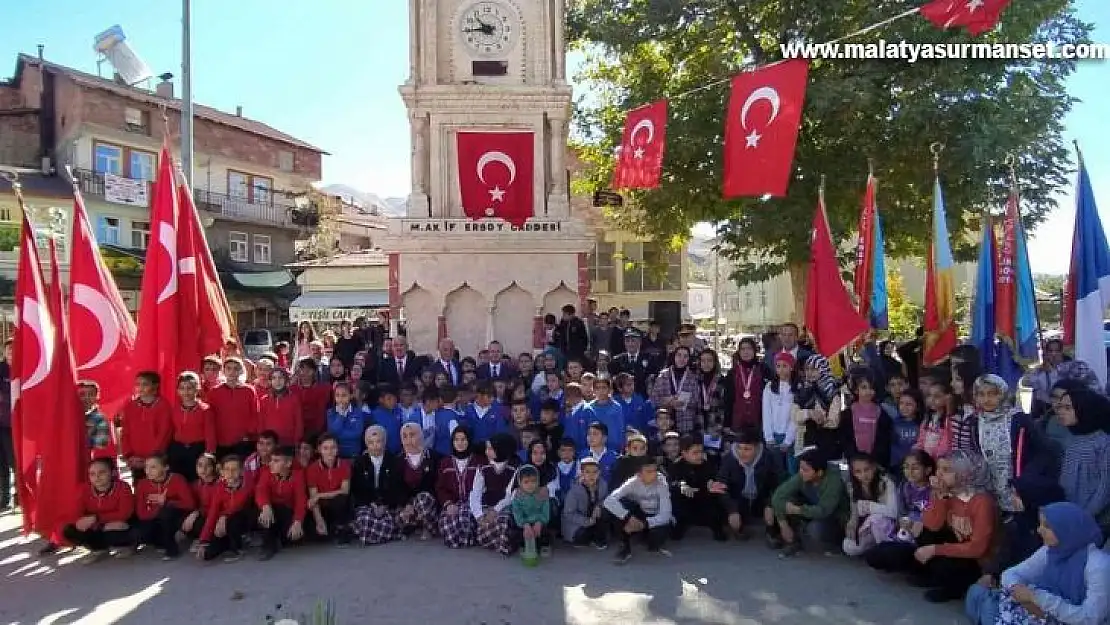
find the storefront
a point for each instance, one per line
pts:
(327, 308)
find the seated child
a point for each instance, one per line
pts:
(490, 497)
(748, 477)
(282, 502)
(531, 512)
(874, 506)
(162, 501)
(914, 492)
(582, 522)
(625, 468)
(228, 517)
(204, 490)
(596, 437)
(413, 490)
(642, 506)
(812, 501)
(691, 499)
(263, 450)
(670, 450)
(329, 486)
(373, 474)
(453, 485)
(104, 512)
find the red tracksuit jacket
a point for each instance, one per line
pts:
(115, 506)
(314, 405)
(147, 428)
(226, 501)
(174, 487)
(282, 414)
(195, 425)
(236, 411)
(204, 493)
(290, 492)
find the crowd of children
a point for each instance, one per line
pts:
(944, 482)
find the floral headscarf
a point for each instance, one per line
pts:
(971, 473)
(824, 390)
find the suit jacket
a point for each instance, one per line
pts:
(506, 372)
(387, 370)
(641, 367)
(437, 366)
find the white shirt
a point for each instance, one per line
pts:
(449, 367)
(377, 462)
(494, 370)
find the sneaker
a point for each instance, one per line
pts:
(775, 543)
(123, 553)
(600, 545)
(790, 550)
(48, 549)
(623, 556)
(664, 553)
(233, 556)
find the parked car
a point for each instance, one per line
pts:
(257, 342)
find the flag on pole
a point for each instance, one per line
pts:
(831, 318)
(1015, 309)
(940, 290)
(159, 297)
(103, 346)
(977, 16)
(983, 326)
(880, 319)
(870, 277)
(1088, 288)
(643, 142)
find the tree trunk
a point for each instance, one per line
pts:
(799, 275)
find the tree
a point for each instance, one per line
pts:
(904, 316)
(1050, 290)
(884, 110)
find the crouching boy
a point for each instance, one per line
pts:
(106, 505)
(642, 506)
(582, 510)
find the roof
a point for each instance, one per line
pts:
(38, 184)
(199, 110)
(371, 258)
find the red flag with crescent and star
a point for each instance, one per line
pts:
(496, 175)
(761, 130)
(205, 320)
(105, 335)
(159, 296)
(33, 348)
(640, 159)
(977, 16)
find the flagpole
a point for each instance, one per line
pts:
(186, 93)
(1011, 162)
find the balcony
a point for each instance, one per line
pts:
(278, 211)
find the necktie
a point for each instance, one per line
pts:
(495, 370)
(400, 368)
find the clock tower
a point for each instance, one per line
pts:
(492, 69)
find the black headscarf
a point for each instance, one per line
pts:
(504, 447)
(1092, 412)
(466, 452)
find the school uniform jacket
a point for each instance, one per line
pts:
(364, 491)
(204, 493)
(289, 491)
(880, 449)
(226, 502)
(314, 405)
(147, 428)
(236, 410)
(576, 508)
(174, 487)
(327, 479)
(411, 481)
(454, 486)
(116, 505)
(283, 414)
(195, 425)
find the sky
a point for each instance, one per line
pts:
(328, 71)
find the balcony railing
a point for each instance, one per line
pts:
(277, 210)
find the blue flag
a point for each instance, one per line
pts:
(982, 309)
(879, 318)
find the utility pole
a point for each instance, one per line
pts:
(186, 93)
(717, 300)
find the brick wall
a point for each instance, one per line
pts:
(19, 139)
(10, 97)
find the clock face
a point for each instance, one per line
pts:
(489, 28)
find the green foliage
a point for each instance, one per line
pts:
(1049, 289)
(884, 110)
(9, 238)
(904, 316)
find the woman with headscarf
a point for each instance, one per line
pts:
(372, 475)
(456, 476)
(415, 485)
(1067, 581)
(490, 497)
(813, 412)
(711, 391)
(743, 388)
(1085, 473)
(676, 389)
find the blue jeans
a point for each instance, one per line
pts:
(981, 605)
(789, 460)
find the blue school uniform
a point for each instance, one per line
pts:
(537, 400)
(485, 426)
(347, 429)
(391, 420)
(637, 412)
(612, 415)
(568, 476)
(447, 419)
(575, 422)
(605, 461)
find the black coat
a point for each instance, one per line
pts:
(363, 491)
(387, 370)
(572, 338)
(640, 367)
(883, 434)
(400, 489)
(504, 372)
(768, 476)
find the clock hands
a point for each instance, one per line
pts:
(485, 28)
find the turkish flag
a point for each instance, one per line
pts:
(865, 251)
(159, 299)
(32, 357)
(831, 318)
(63, 448)
(205, 321)
(640, 159)
(977, 16)
(495, 175)
(761, 130)
(105, 334)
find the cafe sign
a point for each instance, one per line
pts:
(455, 227)
(330, 315)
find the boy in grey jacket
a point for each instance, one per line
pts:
(642, 505)
(583, 522)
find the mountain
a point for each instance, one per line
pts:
(389, 207)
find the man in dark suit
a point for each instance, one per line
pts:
(496, 368)
(570, 336)
(447, 362)
(635, 362)
(401, 366)
(788, 342)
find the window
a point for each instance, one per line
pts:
(107, 230)
(140, 234)
(136, 120)
(285, 160)
(262, 249)
(602, 265)
(5, 213)
(747, 300)
(254, 189)
(108, 159)
(142, 165)
(238, 247)
(651, 267)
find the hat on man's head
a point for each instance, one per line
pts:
(632, 333)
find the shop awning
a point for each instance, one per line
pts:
(335, 306)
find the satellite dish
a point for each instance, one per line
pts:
(112, 44)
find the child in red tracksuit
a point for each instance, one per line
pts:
(282, 500)
(162, 501)
(280, 410)
(194, 428)
(106, 508)
(235, 405)
(147, 424)
(204, 491)
(228, 517)
(315, 397)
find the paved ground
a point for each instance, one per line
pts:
(416, 583)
